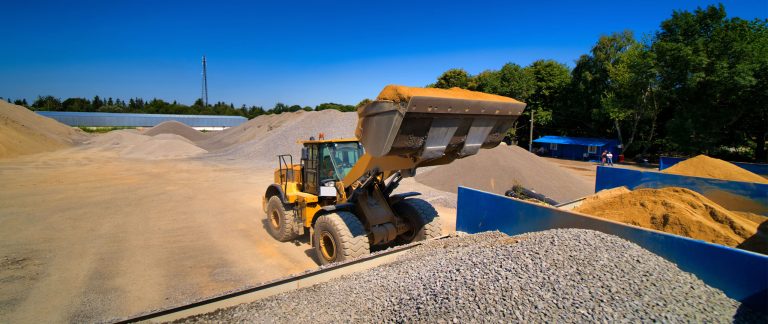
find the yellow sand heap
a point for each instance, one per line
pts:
(22, 132)
(399, 93)
(707, 167)
(679, 211)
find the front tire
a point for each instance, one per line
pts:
(422, 217)
(281, 224)
(339, 237)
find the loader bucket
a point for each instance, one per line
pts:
(434, 130)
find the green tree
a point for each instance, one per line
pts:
(362, 103)
(331, 105)
(713, 72)
(512, 81)
(47, 103)
(612, 83)
(515, 82)
(453, 78)
(549, 79)
(20, 102)
(488, 81)
(96, 104)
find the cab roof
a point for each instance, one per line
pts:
(335, 140)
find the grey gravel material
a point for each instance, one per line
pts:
(558, 275)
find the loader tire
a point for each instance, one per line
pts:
(281, 223)
(339, 237)
(422, 217)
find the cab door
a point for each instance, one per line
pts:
(310, 170)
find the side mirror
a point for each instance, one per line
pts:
(304, 153)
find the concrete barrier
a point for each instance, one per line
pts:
(733, 195)
(741, 275)
(756, 168)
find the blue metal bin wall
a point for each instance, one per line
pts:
(741, 275)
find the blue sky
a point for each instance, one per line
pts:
(292, 51)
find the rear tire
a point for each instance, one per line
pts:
(339, 237)
(422, 217)
(281, 224)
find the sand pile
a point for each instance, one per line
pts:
(166, 146)
(176, 128)
(678, 211)
(132, 145)
(25, 132)
(402, 93)
(497, 170)
(707, 167)
(116, 139)
(253, 129)
(262, 139)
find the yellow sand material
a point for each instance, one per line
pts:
(24, 132)
(678, 211)
(707, 167)
(399, 93)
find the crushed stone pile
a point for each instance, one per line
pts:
(263, 139)
(566, 275)
(176, 128)
(251, 130)
(679, 211)
(497, 170)
(707, 167)
(398, 93)
(22, 132)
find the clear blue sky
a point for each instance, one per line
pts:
(296, 52)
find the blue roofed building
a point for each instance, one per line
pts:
(576, 148)
(99, 119)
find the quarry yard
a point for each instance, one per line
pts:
(122, 223)
(98, 227)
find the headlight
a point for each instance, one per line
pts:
(329, 184)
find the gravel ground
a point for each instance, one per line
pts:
(558, 275)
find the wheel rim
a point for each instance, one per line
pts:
(411, 233)
(274, 219)
(327, 246)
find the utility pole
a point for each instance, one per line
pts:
(205, 84)
(530, 140)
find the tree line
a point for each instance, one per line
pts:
(159, 106)
(697, 85)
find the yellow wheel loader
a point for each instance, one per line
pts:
(341, 191)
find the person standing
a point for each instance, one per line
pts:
(603, 157)
(610, 158)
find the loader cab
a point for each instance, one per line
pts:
(327, 161)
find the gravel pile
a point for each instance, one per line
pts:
(553, 276)
(253, 129)
(176, 128)
(267, 138)
(497, 170)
